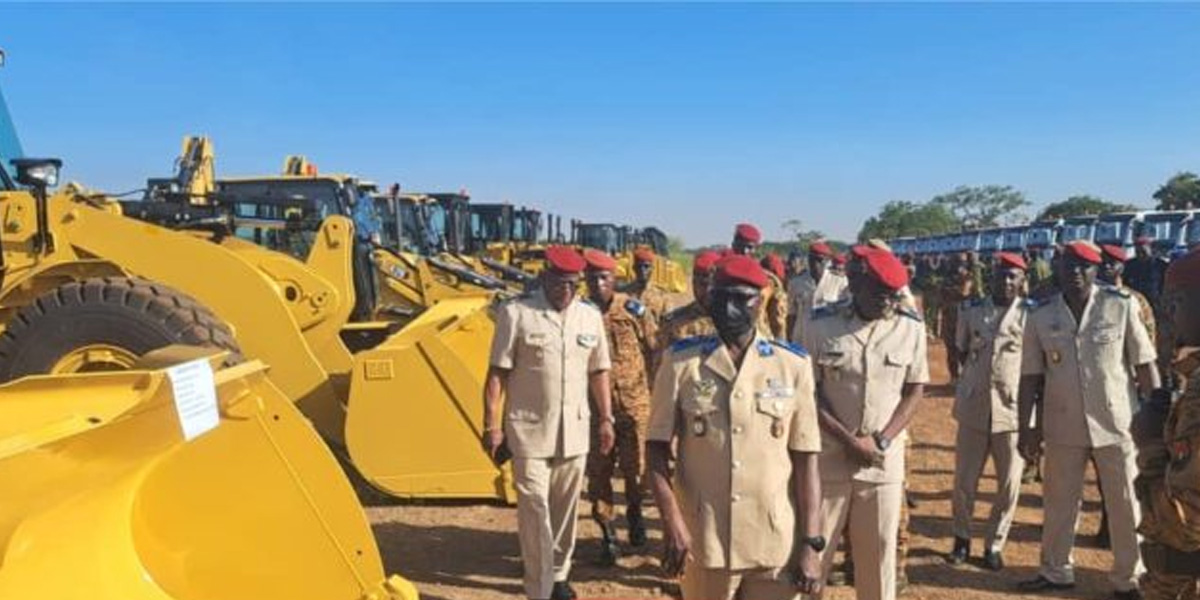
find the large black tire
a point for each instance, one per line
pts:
(133, 314)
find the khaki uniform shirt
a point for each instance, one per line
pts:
(989, 338)
(1089, 394)
(804, 295)
(861, 370)
(734, 429)
(549, 355)
(631, 335)
(682, 323)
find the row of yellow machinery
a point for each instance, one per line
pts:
(315, 306)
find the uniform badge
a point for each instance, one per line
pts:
(777, 428)
(1055, 356)
(588, 340)
(706, 389)
(699, 425)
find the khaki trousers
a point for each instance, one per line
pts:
(971, 452)
(547, 509)
(744, 584)
(1063, 484)
(873, 511)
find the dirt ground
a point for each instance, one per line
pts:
(470, 552)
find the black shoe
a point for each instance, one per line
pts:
(608, 546)
(911, 501)
(960, 553)
(1041, 584)
(562, 591)
(993, 561)
(1134, 594)
(637, 527)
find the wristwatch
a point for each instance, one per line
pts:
(816, 542)
(881, 442)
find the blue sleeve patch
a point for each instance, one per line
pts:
(765, 348)
(635, 308)
(706, 343)
(792, 347)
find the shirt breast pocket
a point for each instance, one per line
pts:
(833, 362)
(697, 407)
(538, 348)
(776, 407)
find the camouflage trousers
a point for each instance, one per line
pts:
(1160, 586)
(628, 455)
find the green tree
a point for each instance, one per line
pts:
(901, 218)
(1181, 191)
(1081, 205)
(802, 236)
(984, 206)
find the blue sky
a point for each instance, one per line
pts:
(690, 117)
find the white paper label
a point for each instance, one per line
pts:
(195, 397)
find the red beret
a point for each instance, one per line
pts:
(564, 259)
(861, 250)
(774, 264)
(599, 261)
(705, 261)
(1009, 260)
(886, 268)
(748, 232)
(740, 270)
(839, 259)
(820, 249)
(1083, 250)
(1184, 272)
(1116, 253)
(643, 254)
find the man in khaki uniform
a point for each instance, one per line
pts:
(692, 319)
(813, 288)
(642, 289)
(739, 408)
(548, 353)
(631, 332)
(870, 358)
(990, 332)
(1079, 349)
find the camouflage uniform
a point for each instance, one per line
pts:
(631, 333)
(653, 298)
(1145, 312)
(684, 322)
(1168, 488)
(772, 319)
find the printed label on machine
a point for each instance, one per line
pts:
(195, 397)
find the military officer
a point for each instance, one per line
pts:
(691, 319)
(990, 332)
(740, 514)
(816, 287)
(548, 353)
(631, 333)
(642, 289)
(1112, 272)
(1168, 439)
(746, 239)
(773, 322)
(1079, 348)
(870, 363)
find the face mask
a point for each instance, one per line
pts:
(732, 313)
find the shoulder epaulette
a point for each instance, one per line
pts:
(1031, 303)
(635, 307)
(828, 310)
(792, 347)
(706, 343)
(588, 303)
(905, 311)
(1112, 289)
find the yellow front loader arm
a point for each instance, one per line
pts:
(103, 499)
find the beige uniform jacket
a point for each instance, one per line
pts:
(989, 338)
(549, 355)
(1089, 395)
(861, 369)
(804, 295)
(734, 429)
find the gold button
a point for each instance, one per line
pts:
(737, 428)
(736, 497)
(737, 395)
(737, 464)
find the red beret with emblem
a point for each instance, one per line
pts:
(886, 268)
(643, 254)
(1010, 260)
(564, 259)
(705, 261)
(748, 232)
(774, 264)
(820, 249)
(738, 269)
(598, 260)
(1116, 253)
(1085, 251)
(1184, 272)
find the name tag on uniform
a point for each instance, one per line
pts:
(775, 389)
(588, 340)
(535, 339)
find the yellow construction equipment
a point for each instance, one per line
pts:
(621, 242)
(106, 498)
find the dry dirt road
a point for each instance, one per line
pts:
(470, 552)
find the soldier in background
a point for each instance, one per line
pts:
(641, 288)
(1145, 272)
(691, 319)
(962, 281)
(990, 332)
(816, 287)
(1168, 439)
(631, 332)
(1112, 273)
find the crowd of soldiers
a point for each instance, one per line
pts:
(768, 416)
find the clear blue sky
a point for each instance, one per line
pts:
(692, 117)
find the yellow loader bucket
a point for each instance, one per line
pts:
(415, 413)
(102, 498)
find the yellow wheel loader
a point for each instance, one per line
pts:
(176, 479)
